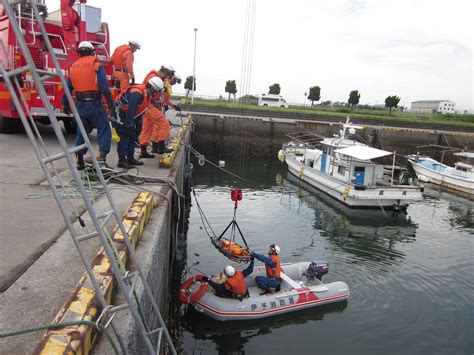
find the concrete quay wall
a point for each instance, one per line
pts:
(261, 137)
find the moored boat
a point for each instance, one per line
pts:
(307, 291)
(460, 177)
(344, 169)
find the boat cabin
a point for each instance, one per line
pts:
(352, 164)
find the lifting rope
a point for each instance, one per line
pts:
(227, 246)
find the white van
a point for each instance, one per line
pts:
(271, 100)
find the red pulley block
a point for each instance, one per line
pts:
(236, 196)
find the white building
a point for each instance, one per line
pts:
(431, 106)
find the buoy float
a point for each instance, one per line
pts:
(185, 296)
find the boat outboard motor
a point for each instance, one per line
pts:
(317, 269)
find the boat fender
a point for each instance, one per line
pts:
(185, 296)
(301, 171)
(345, 194)
(281, 156)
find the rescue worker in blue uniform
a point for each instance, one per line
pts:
(87, 78)
(273, 270)
(133, 104)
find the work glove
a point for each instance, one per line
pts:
(133, 81)
(66, 109)
(177, 108)
(205, 279)
(165, 108)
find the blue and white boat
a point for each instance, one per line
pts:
(344, 169)
(459, 178)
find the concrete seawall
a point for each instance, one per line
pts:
(260, 137)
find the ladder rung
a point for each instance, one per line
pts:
(45, 72)
(106, 217)
(46, 75)
(62, 155)
(118, 308)
(18, 71)
(151, 332)
(87, 236)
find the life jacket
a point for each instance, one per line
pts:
(274, 273)
(122, 100)
(117, 57)
(152, 74)
(83, 74)
(237, 284)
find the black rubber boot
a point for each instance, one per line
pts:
(278, 288)
(162, 149)
(80, 162)
(154, 147)
(265, 292)
(144, 153)
(132, 161)
(102, 157)
(123, 163)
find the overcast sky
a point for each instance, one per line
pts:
(416, 49)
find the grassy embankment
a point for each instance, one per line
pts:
(463, 120)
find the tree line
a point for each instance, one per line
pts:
(314, 94)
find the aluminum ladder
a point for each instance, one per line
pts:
(127, 282)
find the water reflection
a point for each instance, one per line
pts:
(368, 234)
(230, 337)
(460, 205)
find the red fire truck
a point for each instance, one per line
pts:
(66, 28)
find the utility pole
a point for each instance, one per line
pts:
(194, 65)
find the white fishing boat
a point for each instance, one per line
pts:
(344, 169)
(460, 177)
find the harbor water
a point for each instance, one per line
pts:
(410, 275)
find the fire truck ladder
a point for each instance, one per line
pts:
(127, 281)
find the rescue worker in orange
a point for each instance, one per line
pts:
(122, 59)
(153, 119)
(272, 268)
(234, 285)
(133, 103)
(70, 20)
(162, 127)
(88, 80)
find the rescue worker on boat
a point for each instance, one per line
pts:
(133, 103)
(122, 59)
(234, 285)
(87, 78)
(273, 270)
(154, 123)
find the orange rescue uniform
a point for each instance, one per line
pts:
(274, 273)
(237, 284)
(155, 126)
(122, 60)
(83, 74)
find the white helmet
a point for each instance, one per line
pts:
(85, 45)
(229, 271)
(275, 248)
(134, 43)
(155, 84)
(169, 68)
